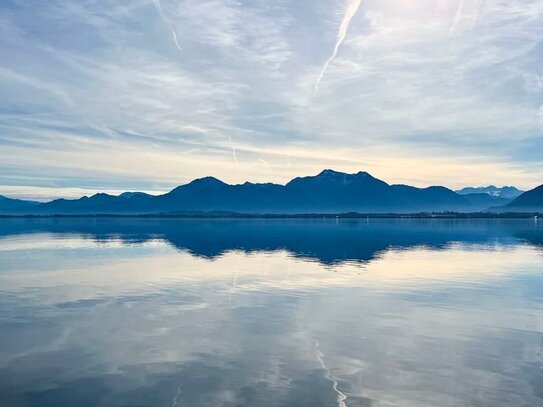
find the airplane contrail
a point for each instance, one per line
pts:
(478, 12)
(234, 154)
(160, 11)
(350, 11)
(457, 23)
(457, 17)
(162, 15)
(174, 34)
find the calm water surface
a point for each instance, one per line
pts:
(271, 313)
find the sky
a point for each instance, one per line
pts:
(103, 95)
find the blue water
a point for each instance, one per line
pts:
(162, 312)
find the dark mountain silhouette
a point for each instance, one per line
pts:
(8, 205)
(507, 192)
(328, 192)
(530, 201)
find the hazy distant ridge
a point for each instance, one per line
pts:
(508, 192)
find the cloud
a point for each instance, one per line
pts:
(97, 91)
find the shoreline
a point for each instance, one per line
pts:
(350, 215)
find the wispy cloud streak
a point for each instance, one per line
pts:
(459, 24)
(479, 10)
(234, 154)
(350, 12)
(458, 16)
(167, 21)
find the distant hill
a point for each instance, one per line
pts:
(8, 205)
(328, 192)
(95, 204)
(500, 192)
(483, 200)
(530, 201)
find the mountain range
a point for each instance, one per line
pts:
(508, 192)
(328, 192)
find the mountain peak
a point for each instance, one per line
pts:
(199, 184)
(207, 181)
(100, 196)
(334, 179)
(332, 173)
(130, 194)
(329, 172)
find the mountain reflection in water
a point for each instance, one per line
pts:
(162, 312)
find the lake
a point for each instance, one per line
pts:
(166, 312)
